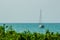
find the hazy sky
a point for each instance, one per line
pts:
(29, 11)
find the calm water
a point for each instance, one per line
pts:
(34, 27)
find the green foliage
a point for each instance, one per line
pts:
(26, 35)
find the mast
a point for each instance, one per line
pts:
(40, 18)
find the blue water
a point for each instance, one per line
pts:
(34, 27)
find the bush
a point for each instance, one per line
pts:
(13, 35)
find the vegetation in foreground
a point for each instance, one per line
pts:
(11, 34)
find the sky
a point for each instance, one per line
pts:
(28, 11)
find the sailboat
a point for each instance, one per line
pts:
(41, 26)
(40, 23)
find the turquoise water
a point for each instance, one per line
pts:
(34, 27)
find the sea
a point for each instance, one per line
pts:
(34, 27)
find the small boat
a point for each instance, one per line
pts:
(41, 25)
